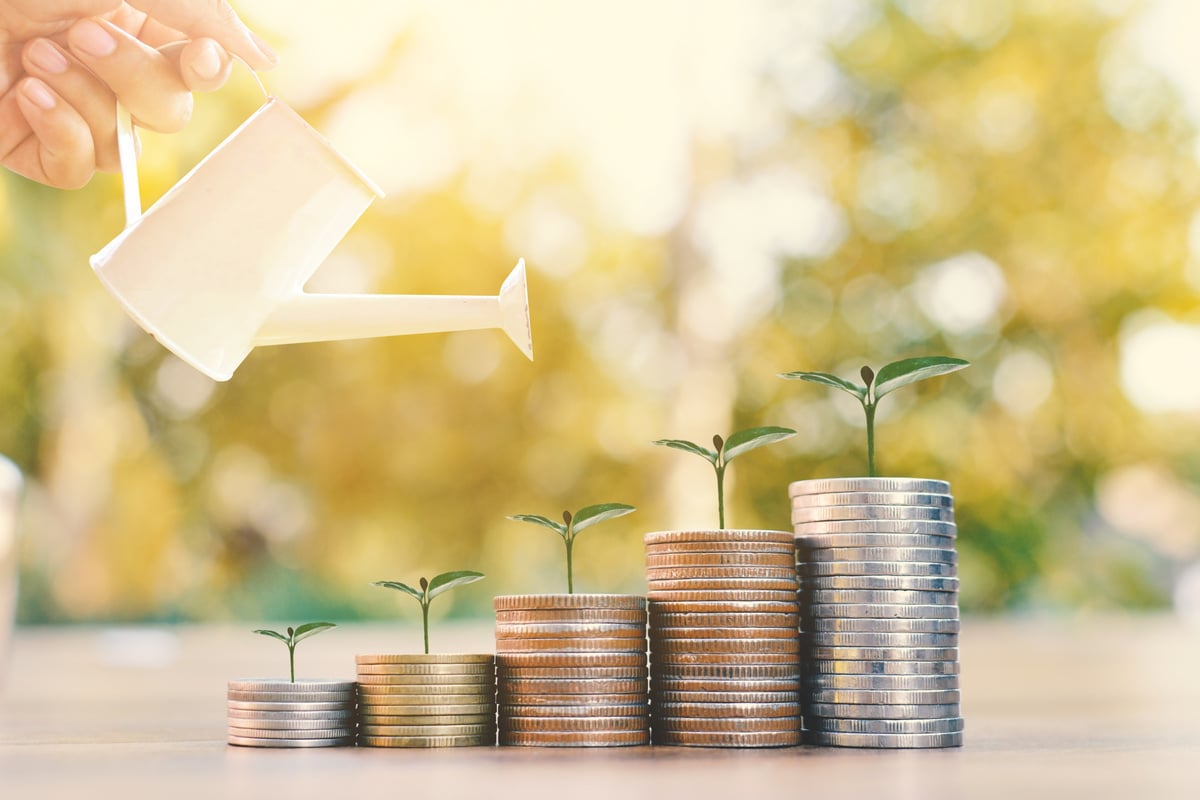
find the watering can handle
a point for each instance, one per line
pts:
(127, 145)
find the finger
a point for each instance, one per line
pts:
(57, 10)
(59, 150)
(204, 65)
(213, 19)
(80, 89)
(145, 81)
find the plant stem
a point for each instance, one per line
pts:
(570, 540)
(721, 496)
(425, 624)
(292, 661)
(870, 409)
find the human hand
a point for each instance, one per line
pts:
(65, 63)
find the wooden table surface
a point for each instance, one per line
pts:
(1090, 707)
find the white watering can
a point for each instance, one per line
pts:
(218, 265)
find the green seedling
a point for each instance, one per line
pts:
(431, 589)
(876, 385)
(294, 637)
(573, 524)
(728, 449)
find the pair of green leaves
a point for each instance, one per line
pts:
(876, 385)
(294, 636)
(573, 524)
(431, 588)
(725, 450)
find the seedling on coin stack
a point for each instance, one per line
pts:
(878, 572)
(724, 651)
(277, 713)
(571, 668)
(426, 700)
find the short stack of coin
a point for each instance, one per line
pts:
(724, 650)
(426, 700)
(571, 670)
(279, 713)
(878, 575)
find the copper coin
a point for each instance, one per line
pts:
(817, 667)
(657, 587)
(725, 710)
(584, 674)
(570, 739)
(667, 606)
(712, 560)
(573, 724)
(730, 672)
(790, 644)
(531, 602)
(723, 685)
(728, 597)
(571, 687)
(480, 660)
(720, 632)
(506, 647)
(667, 696)
(593, 710)
(728, 724)
(508, 630)
(578, 660)
(667, 575)
(551, 616)
(661, 621)
(667, 660)
(684, 548)
(519, 699)
(788, 738)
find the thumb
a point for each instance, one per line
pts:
(214, 19)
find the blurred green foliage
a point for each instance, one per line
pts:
(1006, 148)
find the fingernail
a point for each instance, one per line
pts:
(39, 94)
(264, 48)
(92, 39)
(208, 62)
(48, 58)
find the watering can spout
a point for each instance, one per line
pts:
(326, 317)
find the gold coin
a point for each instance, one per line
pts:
(696, 739)
(439, 709)
(656, 575)
(379, 683)
(427, 730)
(425, 699)
(711, 548)
(728, 597)
(435, 689)
(571, 616)
(785, 560)
(673, 537)
(790, 606)
(508, 630)
(571, 739)
(483, 740)
(579, 660)
(532, 602)
(371, 718)
(402, 680)
(424, 669)
(477, 659)
(784, 584)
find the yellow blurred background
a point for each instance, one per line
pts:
(707, 194)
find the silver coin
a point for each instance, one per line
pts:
(784, 580)
(901, 583)
(801, 513)
(308, 733)
(301, 686)
(881, 527)
(729, 598)
(248, 723)
(671, 632)
(885, 696)
(889, 682)
(292, 697)
(726, 724)
(830, 725)
(819, 667)
(725, 672)
(658, 608)
(915, 555)
(874, 499)
(573, 724)
(811, 569)
(830, 485)
(884, 740)
(739, 621)
(824, 541)
(883, 711)
(251, 741)
(335, 716)
(712, 711)
(881, 596)
(248, 705)
(883, 653)
(735, 686)
(883, 611)
(872, 625)
(865, 639)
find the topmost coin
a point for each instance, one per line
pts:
(301, 686)
(526, 602)
(873, 499)
(426, 658)
(822, 485)
(668, 537)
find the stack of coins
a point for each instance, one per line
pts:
(571, 670)
(278, 713)
(426, 700)
(879, 611)
(724, 650)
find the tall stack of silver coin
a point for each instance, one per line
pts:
(724, 654)
(571, 670)
(279, 713)
(424, 700)
(878, 569)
